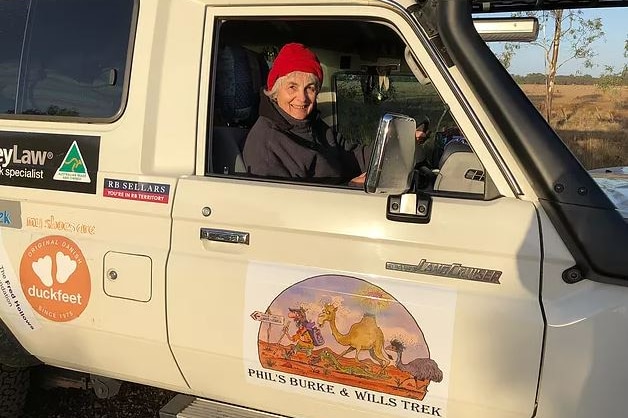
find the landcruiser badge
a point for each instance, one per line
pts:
(55, 278)
(453, 270)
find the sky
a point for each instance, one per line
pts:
(610, 49)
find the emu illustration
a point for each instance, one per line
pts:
(419, 368)
(363, 335)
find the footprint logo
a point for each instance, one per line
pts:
(43, 268)
(55, 278)
(65, 267)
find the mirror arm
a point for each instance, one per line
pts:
(415, 207)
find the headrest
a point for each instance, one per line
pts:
(451, 148)
(239, 76)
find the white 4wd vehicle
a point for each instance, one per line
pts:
(483, 275)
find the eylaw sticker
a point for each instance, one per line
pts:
(49, 161)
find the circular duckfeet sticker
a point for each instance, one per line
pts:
(55, 278)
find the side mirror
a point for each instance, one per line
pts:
(392, 160)
(509, 29)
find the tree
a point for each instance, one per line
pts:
(625, 70)
(561, 31)
(612, 79)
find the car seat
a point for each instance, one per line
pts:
(240, 75)
(460, 170)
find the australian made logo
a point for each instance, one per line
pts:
(16, 162)
(73, 167)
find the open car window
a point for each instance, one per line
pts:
(444, 158)
(365, 76)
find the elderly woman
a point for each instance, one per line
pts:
(289, 139)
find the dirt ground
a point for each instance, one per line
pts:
(592, 121)
(133, 401)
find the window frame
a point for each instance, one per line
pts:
(125, 75)
(399, 21)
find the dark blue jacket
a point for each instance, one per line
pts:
(279, 146)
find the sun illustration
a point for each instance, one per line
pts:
(373, 299)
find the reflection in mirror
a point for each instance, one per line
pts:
(392, 161)
(357, 114)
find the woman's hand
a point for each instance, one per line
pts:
(358, 181)
(420, 136)
(421, 132)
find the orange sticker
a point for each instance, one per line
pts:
(55, 278)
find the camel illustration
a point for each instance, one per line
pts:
(363, 335)
(420, 368)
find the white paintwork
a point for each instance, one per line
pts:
(584, 372)
(347, 232)
(128, 276)
(114, 336)
(194, 303)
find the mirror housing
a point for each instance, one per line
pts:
(391, 165)
(509, 29)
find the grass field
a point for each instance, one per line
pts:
(593, 122)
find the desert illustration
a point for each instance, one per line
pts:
(349, 331)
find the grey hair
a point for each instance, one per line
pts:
(272, 93)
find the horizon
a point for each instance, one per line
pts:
(529, 59)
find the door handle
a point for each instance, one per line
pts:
(222, 235)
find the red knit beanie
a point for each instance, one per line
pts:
(294, 57)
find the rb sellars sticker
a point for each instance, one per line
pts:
(12, 301)
(136, 190)
(55, 278)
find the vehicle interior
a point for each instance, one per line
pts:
(368, 72)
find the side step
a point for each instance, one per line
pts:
(186, 406)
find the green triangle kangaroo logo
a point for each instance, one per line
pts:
(73, 167)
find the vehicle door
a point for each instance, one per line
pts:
(84, 238)
(298, 298)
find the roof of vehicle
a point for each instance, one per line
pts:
(480, 6)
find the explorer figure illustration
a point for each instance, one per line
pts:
(307, 335)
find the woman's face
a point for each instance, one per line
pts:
(297, 94)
